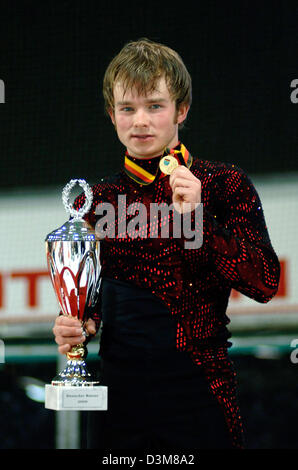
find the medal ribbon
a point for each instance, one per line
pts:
(136, 171)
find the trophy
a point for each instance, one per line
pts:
(74, 266)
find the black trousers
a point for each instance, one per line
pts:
(157, 397)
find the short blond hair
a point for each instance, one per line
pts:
(140, 64)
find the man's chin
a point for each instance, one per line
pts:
(144, 151)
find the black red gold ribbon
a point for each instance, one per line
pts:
(135, 168)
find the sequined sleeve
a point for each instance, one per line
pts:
(235, 236)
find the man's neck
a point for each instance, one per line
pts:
(172, 145)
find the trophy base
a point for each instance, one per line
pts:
(77, 398)
(74, 388)
(75, 374)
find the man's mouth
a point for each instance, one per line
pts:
(142, 136)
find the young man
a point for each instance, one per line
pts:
(164, 344)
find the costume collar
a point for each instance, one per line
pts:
(145, 171)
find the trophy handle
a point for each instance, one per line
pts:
(77, 214)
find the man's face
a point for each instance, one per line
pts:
(147, 124)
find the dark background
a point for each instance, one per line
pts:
(268, 390)
(242, 57)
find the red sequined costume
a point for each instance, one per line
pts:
(195, 283)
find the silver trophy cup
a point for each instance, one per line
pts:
(74, 264)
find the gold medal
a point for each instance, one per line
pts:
(168, 164)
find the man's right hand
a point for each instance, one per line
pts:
(68, 332)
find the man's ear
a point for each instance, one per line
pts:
(182, 112)
(112, 116)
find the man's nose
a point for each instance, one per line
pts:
(141, 118)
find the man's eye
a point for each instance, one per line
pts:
(126, 109)
(155, 106)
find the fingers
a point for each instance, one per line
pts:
(90, 326)
(67, 327)
(181, 194)
(186, 189)
(64, 349)
(73, 340)
(182, 172)
(67, 320)
(181, 183)
(185, 182)
(68, 332)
